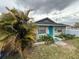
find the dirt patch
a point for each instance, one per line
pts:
(65, 45)
(70, 47)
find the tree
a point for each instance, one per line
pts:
(17, 32)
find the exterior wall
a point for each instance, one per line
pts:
(54, 30)
(58, 30)
(47, 31)
(42, 33)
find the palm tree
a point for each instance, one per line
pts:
(17, 32)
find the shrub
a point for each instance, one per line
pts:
(61, 36)
(66, 36)
(48, 39)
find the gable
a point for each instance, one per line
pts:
(45, 21)
(48, 22)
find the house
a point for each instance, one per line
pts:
(47, 26)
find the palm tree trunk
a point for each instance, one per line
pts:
(21, 54)
(18, 47)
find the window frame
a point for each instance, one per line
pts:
(42, 30)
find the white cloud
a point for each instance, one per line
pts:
(9, 3)
(38, 17)
(64, 15)
(72, 9)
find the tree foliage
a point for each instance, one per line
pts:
(16, 30)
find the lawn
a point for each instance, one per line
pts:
(74, 42)
(54, 52)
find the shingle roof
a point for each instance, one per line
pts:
(48, 22)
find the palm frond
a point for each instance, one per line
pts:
(27, 13)
(11, 12)
(15, 24)
(4, 37)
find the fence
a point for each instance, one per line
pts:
(72, 31)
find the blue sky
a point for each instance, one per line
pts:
(62, 10)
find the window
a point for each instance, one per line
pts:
(58, 30)
(41, 30)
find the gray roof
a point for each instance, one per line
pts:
(48, 22)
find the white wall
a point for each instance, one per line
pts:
(43, 33)
(72, 31)
(59, 28)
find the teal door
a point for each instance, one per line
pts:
(50, 29)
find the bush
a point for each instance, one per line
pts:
(66, 36)
(48, 39)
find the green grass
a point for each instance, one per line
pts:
(54, 52)
(75, 42)
(49, 52)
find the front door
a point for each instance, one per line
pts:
(50, 29)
